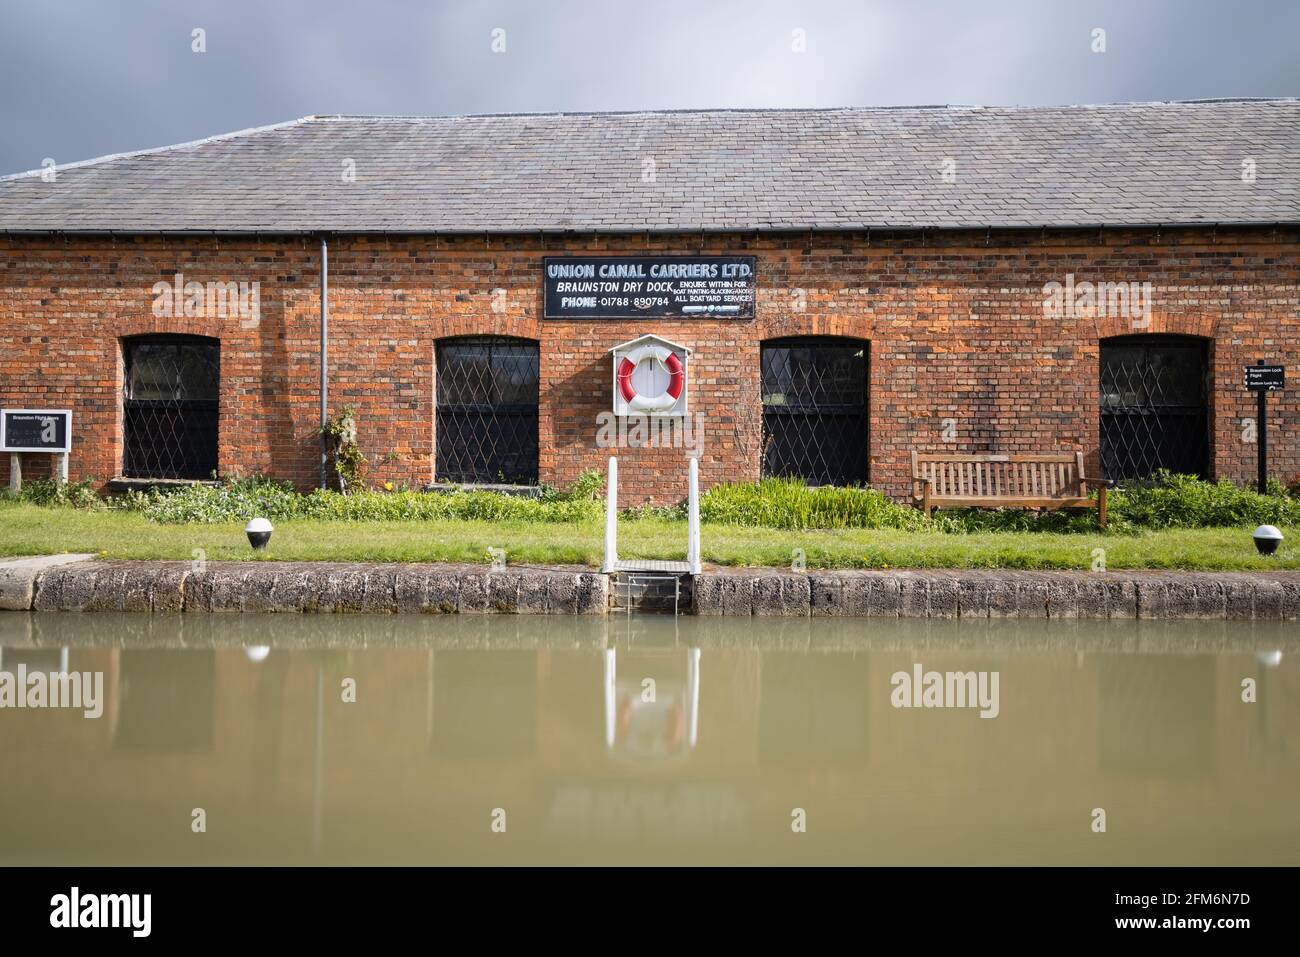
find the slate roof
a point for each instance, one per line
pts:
(710, 170)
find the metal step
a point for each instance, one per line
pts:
(651, 591)
(652, 565)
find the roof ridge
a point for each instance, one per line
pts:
(219, 137)
(901, 108)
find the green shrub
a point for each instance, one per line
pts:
(586, 487)
(60, 494)
(236, 500)
(974, 520)
(789, 503)
(1165, 501)
(242, 499)
(1183, 501)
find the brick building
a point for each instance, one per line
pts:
(960, 279)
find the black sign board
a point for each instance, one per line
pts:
(35, 430)
(1265, 378)
(632, 287)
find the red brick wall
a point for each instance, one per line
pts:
(955, 322)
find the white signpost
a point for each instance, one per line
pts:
(35, 430)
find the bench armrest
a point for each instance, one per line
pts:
(1103, 483)
(923, 481)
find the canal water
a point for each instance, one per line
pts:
(649, 740)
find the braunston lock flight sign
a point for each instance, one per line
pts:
(35, 430)
(631, 287)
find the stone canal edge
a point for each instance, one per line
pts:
(83, 583)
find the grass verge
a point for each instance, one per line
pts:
(31, 530)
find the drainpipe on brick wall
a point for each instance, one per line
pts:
(324, 351)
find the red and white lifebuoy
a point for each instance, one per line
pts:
(651, 403)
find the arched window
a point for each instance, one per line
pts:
(486, 413)
(170, 406)
(1154, 406)
(815, 410)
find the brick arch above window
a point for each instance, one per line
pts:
(208, 327)
(457, 326)
(1204, 326)
(794, 324)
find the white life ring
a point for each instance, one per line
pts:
(656, 403)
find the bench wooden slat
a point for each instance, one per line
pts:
(1027, 481)
(960, 501)
(935, 457)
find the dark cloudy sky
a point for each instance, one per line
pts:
(82, 78)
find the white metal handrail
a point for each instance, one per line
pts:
(611, 563)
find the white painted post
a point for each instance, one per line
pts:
(61, 472)
(693, 515)
(611, 517)
(15, 472)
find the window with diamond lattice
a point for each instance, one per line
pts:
(1154, 406)
(170, 407)
(815, 410)
(486, 419)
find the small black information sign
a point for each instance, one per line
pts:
(631, 287)
(35, 430)
(1265, 378)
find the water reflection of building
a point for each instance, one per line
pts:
(1157, 714)
(165, 700)
(437, 738)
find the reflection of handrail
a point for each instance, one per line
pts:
(693, 689)
(611, 704)
(692, 697)
(63, 658)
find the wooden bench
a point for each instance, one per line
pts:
(996, 481)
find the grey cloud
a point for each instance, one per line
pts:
(83, 79)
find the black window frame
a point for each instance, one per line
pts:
(178, 436)
(1143, 423)
(482, 436)
(796, 435)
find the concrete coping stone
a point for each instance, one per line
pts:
(82, 583)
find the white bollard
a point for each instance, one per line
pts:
(693, 515)
(611, 518)
(15, 472)
(61, 461)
